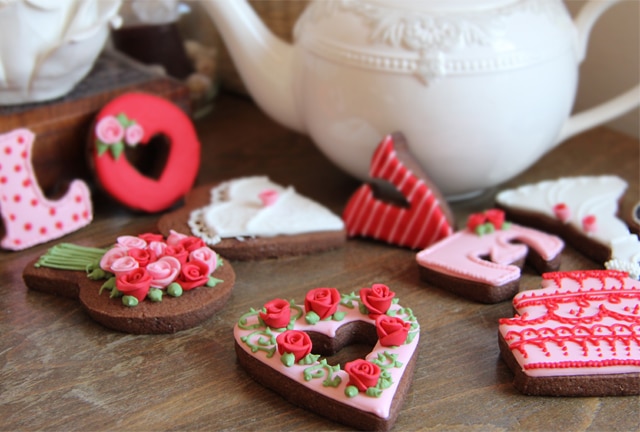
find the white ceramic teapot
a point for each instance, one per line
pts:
(480, 88)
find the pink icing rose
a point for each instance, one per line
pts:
(131, 242)
(205, 255)
(111, 255)
(133, 134)
(149, 237)
(124, 265)
(157, 247)
(164, 271)
(109, 130)
(175, 237)
(177, 251)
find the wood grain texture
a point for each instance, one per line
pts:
(60, 370)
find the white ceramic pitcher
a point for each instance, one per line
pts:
(480, 88)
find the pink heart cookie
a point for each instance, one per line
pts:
(280, 347)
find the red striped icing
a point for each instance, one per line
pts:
(417, 226)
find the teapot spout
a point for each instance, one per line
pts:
(264, 61)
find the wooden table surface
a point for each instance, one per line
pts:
(59, 370)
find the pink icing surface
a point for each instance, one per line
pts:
(579, 323)
(379, 406)
(461, 254)
(29, 217)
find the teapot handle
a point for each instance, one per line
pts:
(610, 109)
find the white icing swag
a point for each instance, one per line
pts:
(237, 210)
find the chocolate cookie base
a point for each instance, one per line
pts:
(482, 292)
(572, 385)
(255, 248)
(171, 315)
(299, 395)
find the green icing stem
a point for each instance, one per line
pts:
(67, 256)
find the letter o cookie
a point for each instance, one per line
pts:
(135, 119)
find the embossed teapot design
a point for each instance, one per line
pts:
(480, 88)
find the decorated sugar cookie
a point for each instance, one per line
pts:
(482, 262)
(281, 346)
(254, 218)
(29, 217)
(142, 284)
(134, 119)
(577, 336)
(583, 211)
(421, 221)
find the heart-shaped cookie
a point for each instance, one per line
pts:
(136, 119)
(142, 285)
(281, 344)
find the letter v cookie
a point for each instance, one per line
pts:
(425, 220)
(29, 217)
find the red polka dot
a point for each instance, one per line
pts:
(24, 154)
(3, 179)
(52, 211)
(59, 225)
(75, 217)
(43, 230)
(78, 198)
(34, 202)
(26, 182)
(12, 217)
(20, 140)
(85, 214)
(17, 198)
(7, 150)
(17, 168)
(17, 242)
(28, 226)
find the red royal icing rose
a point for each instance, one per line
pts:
(149, 237)
(322, 301)
(295, 342)
(392, 331)
(377, 299)
(192, 243)
(193, 274)
(362, 374)
(135, 283)
(496, 217)
(178, 251)
(278, 313)
(475, 220)
(142, 256)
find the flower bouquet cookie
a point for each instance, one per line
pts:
(142, 284)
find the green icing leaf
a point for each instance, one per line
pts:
(288, 359)
(117, 149)
(312, 317)
(174, 289)
(110, 284)
(155, 295)
(339, 316)
(213, 282)
(351, 391)
(129, 301)
(373, 392)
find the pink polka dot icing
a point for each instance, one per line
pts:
(29, 217)
(579, 323)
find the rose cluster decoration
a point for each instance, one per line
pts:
(113, 132)
(487, 222)
(276, 332)
(146, 266)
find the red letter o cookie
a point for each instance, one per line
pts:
(134, 119)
